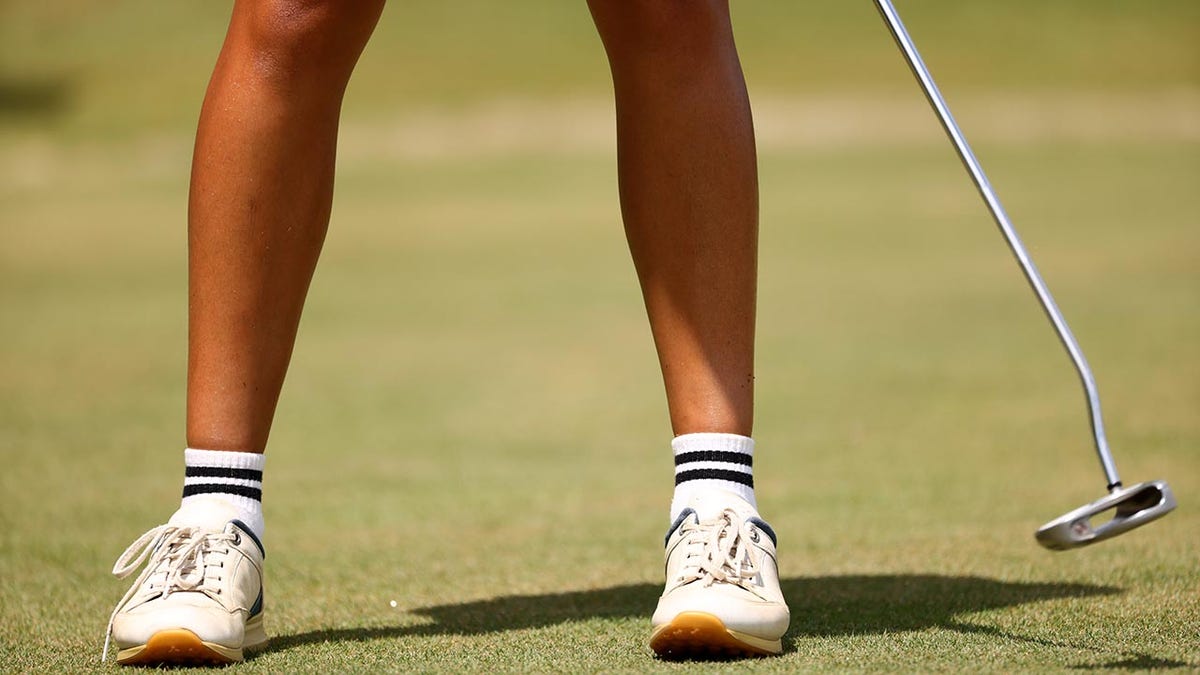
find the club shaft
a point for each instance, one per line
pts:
(913, 57)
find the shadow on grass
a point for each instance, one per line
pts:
(1137, 662)
(1132, 660)
(821, 606)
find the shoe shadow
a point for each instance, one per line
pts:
(821, 607)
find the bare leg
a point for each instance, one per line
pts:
(689, 197)
(262, 185)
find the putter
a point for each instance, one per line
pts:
(1130, 506)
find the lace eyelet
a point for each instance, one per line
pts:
(237, 538)
(754, 535)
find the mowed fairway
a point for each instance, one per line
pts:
(473, 425)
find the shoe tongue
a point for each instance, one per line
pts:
(709, 505)
(206, 514)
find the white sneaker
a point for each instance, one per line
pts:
(199, 600)
(722, 597)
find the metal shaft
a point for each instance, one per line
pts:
(1010, 235)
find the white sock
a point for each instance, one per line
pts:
(233, 478)
(707, 463)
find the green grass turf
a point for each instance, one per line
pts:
(473, 425)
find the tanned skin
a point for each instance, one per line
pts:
(262, 188)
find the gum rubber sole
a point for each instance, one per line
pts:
(178, 647)
(699, 635)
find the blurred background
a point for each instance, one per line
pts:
(126, 68)
(475, 326)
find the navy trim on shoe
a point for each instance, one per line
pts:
(253, 537)
(762, 525)
(258, 604)
(678, 521)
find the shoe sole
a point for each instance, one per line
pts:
(699, 635)
(179, 647)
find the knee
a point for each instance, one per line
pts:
(686, 27)
(306, 37)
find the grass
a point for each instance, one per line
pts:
(473, 425)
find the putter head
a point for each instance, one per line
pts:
(1132, 506)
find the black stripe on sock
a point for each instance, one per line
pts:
(715, 474)
(714, 456)
(222, 472)
(222, 488)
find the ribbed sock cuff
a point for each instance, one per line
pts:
(711, 462)
(233, 477)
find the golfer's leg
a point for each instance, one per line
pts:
(262, 182)
(262, 185)
(689, 198)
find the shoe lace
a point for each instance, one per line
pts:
(718, 550)
(177, 559)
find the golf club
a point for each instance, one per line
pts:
(1132, 506)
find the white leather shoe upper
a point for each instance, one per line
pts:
(204, 573)
(720, 560)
